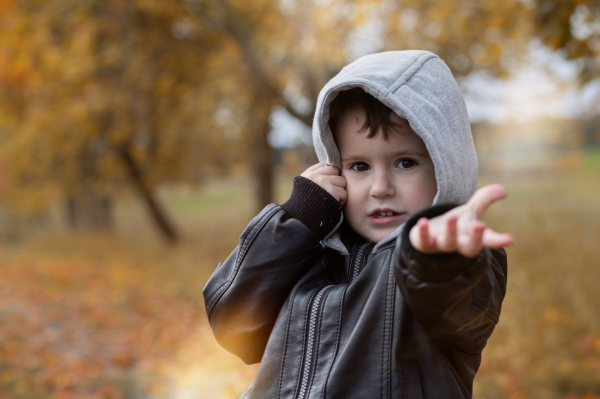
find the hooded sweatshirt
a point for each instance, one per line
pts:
(419, 87)
(329, 314)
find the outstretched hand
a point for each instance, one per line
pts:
(461, 229)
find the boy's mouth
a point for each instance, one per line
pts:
(385, 216)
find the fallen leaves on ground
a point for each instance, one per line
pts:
(76, 330)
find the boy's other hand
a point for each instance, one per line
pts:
(461, 229)
(328, 178)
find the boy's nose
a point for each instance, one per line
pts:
(382, 185)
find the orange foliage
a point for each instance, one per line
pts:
(4, 6)
(88, 90)
(73, 330)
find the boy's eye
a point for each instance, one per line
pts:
(407, 163)
(360, 167)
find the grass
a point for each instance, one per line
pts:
(591, 158)
(546, 345)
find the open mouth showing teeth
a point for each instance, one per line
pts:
(383, 214)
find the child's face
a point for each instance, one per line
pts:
(386, 180)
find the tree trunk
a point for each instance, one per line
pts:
(71, 212)
(262, 157)
(162, 222)
(89, 210)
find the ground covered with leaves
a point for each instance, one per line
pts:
(76, 330)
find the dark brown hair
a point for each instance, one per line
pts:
(376, 113)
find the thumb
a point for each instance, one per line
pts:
(486, 196)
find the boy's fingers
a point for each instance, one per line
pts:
(493, 239)
(339, 181)
(343, 196)
(314, 172)
(472, 244)
(339, 193)
(327, 181)
(485, 196)
(424, 243)
(431, 244)
(329, 170)
(448, 243)
(315, 167)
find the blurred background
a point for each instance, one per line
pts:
(139, 137)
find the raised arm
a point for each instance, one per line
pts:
(451, 270)
(245, 294)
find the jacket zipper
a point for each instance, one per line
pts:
(311, 342)
(312, 324)
(358, 261)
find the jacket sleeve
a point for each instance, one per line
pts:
(245, 293)
(457, 299)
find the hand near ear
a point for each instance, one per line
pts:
(328, 178)
(461, 229)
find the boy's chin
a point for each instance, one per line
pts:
(378, 235)
(372, 232)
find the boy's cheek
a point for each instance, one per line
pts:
(354, 200)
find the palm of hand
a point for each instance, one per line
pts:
(461, 229)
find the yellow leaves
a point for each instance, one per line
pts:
(66, 324)
(84, 41)
(588, 395)
(5, 7)
(87, 80)
(113, 73)
(517, 395)
(556, 316)
(123, 360)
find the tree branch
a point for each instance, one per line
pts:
(306, 119)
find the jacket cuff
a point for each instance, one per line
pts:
(313, 206)
(435, 268)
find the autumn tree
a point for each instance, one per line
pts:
(572, 27)
(150, 92)
(100, 94)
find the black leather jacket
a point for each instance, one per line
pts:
(388, 324)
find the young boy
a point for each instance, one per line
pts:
(368, 282)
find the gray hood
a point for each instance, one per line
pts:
(419, 87)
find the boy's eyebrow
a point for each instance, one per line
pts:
(354, 158)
